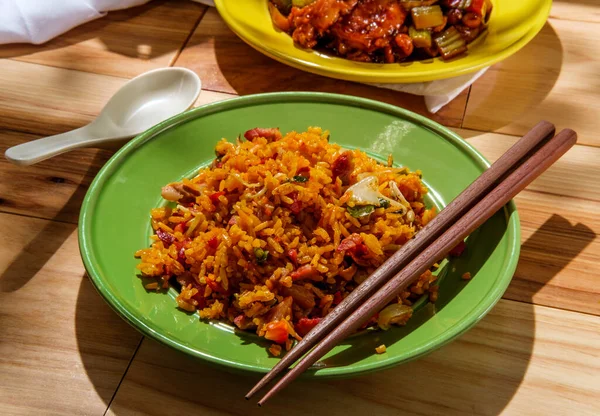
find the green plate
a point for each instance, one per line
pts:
(114, 223)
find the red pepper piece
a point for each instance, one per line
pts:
(342, 165)
(293, 255)
(304, 325)
(478, 6)
(458, 250)
(337, 297)
(213, 243)
(214, 198)
(165, 237)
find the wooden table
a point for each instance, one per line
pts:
(63, 351)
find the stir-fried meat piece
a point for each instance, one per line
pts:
(271, 134)
(342, 166)
(178, 192)
(354, 247)
(304, 272)
(302, 296)
(312, 21)
(370, 26)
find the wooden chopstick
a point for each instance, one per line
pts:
(475, 217)
(538, 135)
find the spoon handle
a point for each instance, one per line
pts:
(37, 150)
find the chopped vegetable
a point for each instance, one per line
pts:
(301, 3)
(279, 20)
(478, 7)
(283, 5)
(214, 198)
(458, 249)
(213, 243)
(366, 192)
(300, 178)
(361, 210)
(457, 4)
(261, 255)
(489, 6)
(428, 16)
(466, 276)
(450, 43)
(337, 297)
(421, 38)
(304, 325)
(409, 4)
(293, 255)
(384, 203)
(277, 331)
(396, 313)
(296, 206)
(381, 349)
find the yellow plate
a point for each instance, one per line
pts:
(512, 24)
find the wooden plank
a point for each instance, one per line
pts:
(124, 43)
(521, 359)
(579, 10)
(555, 77)
(54, 189)
(560, 223)
(575, 174)
(559, 253)
(62, 350)
(46, 100)
(226, 64)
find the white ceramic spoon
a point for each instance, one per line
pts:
(140, 104)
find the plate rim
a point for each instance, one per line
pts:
(374, 76)
(477, 312)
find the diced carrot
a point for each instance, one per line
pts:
(277, 331)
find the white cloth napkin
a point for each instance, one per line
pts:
(38, 21)
(437, 93)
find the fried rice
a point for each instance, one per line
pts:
(280, 228)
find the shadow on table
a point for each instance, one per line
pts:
(143, 45)
(53, 234)
(468, 376)
(538, 65)
(250, 72)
